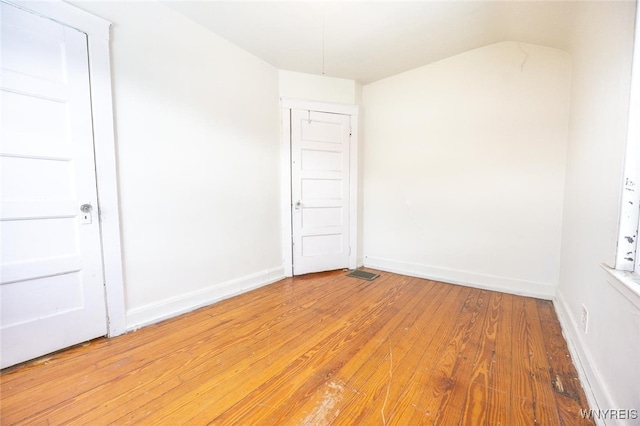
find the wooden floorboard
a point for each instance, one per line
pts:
(316, 350)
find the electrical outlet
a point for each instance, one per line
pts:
(584, 320)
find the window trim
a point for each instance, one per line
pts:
(627, 250)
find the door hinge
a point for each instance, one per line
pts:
(349, 251)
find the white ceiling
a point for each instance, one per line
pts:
(370, 40)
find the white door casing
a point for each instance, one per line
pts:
(52, 287)
(334, 218)
(98, 36)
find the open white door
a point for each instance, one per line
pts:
(320, 191)
(52, 290)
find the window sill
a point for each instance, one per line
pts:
(626, 282)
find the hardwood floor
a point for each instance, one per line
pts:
(315, 350)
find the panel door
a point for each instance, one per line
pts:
(320, 191)
(51, 281)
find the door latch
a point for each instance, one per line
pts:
(86, 216)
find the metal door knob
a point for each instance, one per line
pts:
(85, 208)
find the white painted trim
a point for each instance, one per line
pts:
(627, 256)
(174, 306)
(97, 30)
(287, 105)
(353, 192)
(66, 14)
(287, 234)
(627, 283)
(107, 181)
(590, 378)
(346, 109)
(454, 276)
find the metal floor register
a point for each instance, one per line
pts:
(363, 275)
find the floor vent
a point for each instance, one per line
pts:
(363, 275)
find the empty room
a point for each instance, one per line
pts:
(315, 213)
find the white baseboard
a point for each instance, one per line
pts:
(590, 379)
(453, 276)
(168, 308)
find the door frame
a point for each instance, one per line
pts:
(286, 105)
(98, 36)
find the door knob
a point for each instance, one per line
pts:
(298, 205)
(85, 208)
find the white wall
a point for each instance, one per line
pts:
(319, 88)
(198, 143)
(464, 168)
(601, 47)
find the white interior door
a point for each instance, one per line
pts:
(320, 191)
(51, 283)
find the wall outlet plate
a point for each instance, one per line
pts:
(584, 319)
